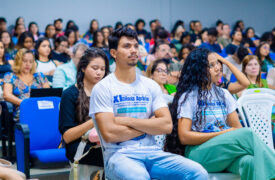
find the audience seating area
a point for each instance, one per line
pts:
(36, 135)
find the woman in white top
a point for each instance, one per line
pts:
(44, 63)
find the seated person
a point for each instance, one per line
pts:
(250, 34)
(44, 62)
(11, 174)
(212, 44)
(128, 111)
(206, 125)
(161, 50)
(10, 50)
(61, 51)
(271, 77)
(18, 84)
(262, 52)
(158, 71)
(241, 83)
(5, 66)
(225, 39)
(25, 40)
(252, 70)
(74, 120)
(236, 60)
(236, 41)
(175, 68)
(65, 74)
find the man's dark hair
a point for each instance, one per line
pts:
(139, 21)
(59, 40)
(218, 22)
(160, 33)
(151, 22)
(241, 52)
(74, 28)
(55, 21)
(212, 32)
(118, 34)
(158, 44)
(2, 19)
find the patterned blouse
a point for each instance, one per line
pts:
(22, 90)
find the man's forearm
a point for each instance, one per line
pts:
(153, 126)
(120, 133)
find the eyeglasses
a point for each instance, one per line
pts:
(160, 70)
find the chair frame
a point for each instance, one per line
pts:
(267, 98)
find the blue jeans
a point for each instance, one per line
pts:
(152, 164)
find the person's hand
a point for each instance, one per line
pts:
(67, 51)
(10, 174)
(220, 58)
(50, 73)
(232, 129)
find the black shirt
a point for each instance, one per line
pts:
(61, 57)
(67, 120)
(231, 49)
(4, 69)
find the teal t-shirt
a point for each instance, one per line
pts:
(267, 65)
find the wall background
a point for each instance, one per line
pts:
(255, 13)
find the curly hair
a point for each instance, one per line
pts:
(195, 75)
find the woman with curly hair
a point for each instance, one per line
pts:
(206, 126)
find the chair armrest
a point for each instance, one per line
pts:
(22, 144)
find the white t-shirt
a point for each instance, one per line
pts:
(227, 71)
(215, 113)
(139, 99)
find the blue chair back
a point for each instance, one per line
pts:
(233, 78)
(272, 56)
(252, 49)
(41, 115)
(223, 53)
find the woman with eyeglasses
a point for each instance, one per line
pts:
(262, 52)
(158, 71)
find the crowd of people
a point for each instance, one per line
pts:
(122, 79)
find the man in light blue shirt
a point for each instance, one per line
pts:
(65, 75)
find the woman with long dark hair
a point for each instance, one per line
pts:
(88, 36)
(99, 40)
(50, 34)
(10, 50)
(206, 127)
(26, 40)
(5, 65)
(262, 52)
(33, 29)
(74, 120)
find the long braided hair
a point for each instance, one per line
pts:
(83, 101)
(195, 75)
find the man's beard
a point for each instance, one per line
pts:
(58, 29)
(132, 64)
